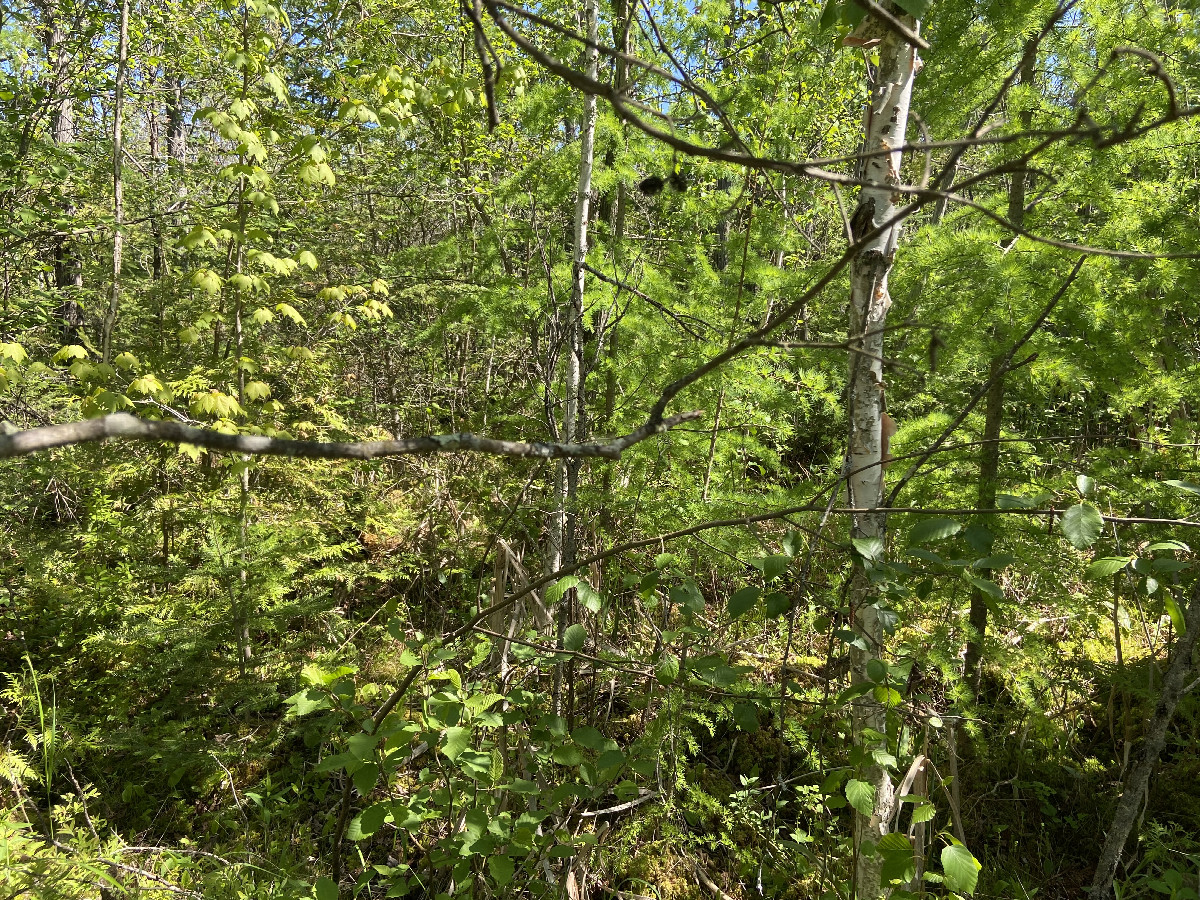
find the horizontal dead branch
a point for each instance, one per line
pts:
(122, 426)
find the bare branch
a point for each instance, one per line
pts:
(622, 286)
(126, 427)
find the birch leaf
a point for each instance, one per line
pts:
(961, 869)
(861, 796)
(1082, 525)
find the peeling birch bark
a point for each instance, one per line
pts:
(885, 126)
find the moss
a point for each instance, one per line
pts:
(642, 862)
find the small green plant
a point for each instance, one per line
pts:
(46, 739)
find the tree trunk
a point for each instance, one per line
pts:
(993, 417)
(989, 468)
(110, 319)
(568, 481)
(1156, 738)
(68, 272)
(886, 121)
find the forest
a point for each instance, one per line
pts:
(599, 449)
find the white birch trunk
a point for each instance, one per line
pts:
(885, 126)
(568, 474)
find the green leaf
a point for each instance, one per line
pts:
(291, 312)
(773, 566)
(1107, 566)
(852, 638)
(915, 8)
(559, 589)
(986, 585)
(861, 796)
(501, 869)
(146, 384)
(457, 740)
(1184, 486)
(71, 351)
(13, 352)
(365, 778)
(588, 597)
(961, 869)
(935, 529)
(688, 596)
(1001, 561)
(207, 281)
(854, 692)
(667, 669)
(927, 555)
(897, 852)
(610, 759)
(894, 840)
(923, 812)
(831, 14)
(898, 865)
(589, 737)
(325, 889)
(1176, 614)
(1169, 545)
(777, 603)
(308, 700)
(362, 745)
(745, 716)
(885, 759)
(979, 539)
(889, 697)
(852, 13)
(1012, 501)
(1082, 525)
(869, 548)
(567, 755)
(1085, 484)
(368, 822)
(741, 602)
(574, 638)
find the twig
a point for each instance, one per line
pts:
(620, 285)
(232, 786)
(620, 807)
(133, 870)
(710, 884)
(82, 802)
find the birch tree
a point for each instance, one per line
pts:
(567, 470)
(874, 226)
